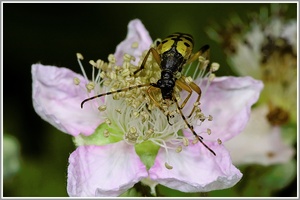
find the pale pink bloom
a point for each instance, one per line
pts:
(260, 142)
(109, 168)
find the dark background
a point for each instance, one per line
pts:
(52, 34)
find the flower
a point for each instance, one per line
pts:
(264, 147)
(124, 138)
(265, 48)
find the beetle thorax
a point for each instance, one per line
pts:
(172, 61)
(166, 84)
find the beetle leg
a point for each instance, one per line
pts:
(155, 55)
(188, 87)
(181, 84)
(150, 94)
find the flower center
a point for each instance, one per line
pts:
(126, 102)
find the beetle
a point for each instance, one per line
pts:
(171, 54)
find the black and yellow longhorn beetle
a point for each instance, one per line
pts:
(171, 54)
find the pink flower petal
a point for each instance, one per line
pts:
(57, 100)
(229, 101)
(106, 170)
(195, 169)
(137, 33)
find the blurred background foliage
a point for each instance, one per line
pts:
(52, 34)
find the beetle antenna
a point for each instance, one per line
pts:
(192, 129)
(113, 92)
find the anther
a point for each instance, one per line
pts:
(168, 166)
(185, 141)
(118, 111)
(201, 59)
(108, 122)
(135, 45)
(215, 66)
(111, 58)
(76, 81)
(210, 118)
(196, 104)
(106, 133)
(195, 140)
(200, 116)
(90, 86)
(102, 74)
(188, 80)
(208, 131)
(125, 73)
(132, 130)
(79, 56)
(149, 132)
(100, 64)
(136, 114)
(127, 57)
(178, 149)
(219, 141)
(211, 77)
(93, 63)
(102, 108)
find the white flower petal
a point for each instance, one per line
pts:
(195, 169)
(104, 170)
(289, 33)
(260, 143)
(246, 60)
(57, 100)
(229, 101)
(137, 34)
